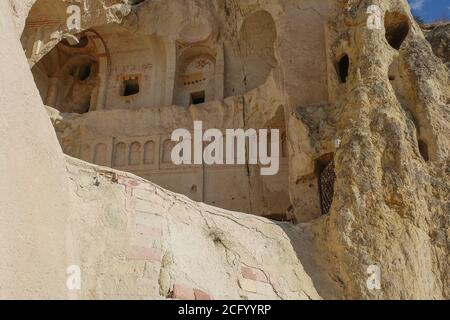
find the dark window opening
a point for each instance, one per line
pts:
(84, 109)
(327, 179)
(135, 2)
(82, 42)
(423, 149)
(397, 28)
(281, 217)
(130, 87)
(343, 67)
(198, 97)
(85, 71)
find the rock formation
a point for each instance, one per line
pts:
(362, 104)
(438, 35)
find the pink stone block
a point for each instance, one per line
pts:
(247, 273)
(141, 253)
(182, 293)
(254, 274)
(128, 182)
(201, 295)
(260, 276)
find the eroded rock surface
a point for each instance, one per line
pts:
(134, 239)
(364, 121)
(439, 37)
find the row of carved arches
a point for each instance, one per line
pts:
(123, 155)
(134, 154)
(137, 154)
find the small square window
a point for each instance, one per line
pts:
(130, 87)
(198, 97)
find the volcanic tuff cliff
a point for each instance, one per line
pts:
(439, 37)
(365, 180)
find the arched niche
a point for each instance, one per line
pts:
(77, 83)
(250, 70)
(197, 78)
(168, 145)
(138, 74)
(120, 155)
(134, 158)
(100, 156)
(195, 32)
(86, 153)
(149, 152)
(71, 77)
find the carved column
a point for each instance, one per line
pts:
(171, 64)
(52, 94)
(219, 74)
(103, 76)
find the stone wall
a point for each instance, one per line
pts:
(207, 65)
(147, 243)
(368, 107)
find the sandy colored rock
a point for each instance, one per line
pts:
(364, 178)
(438, 36)
(144, 240)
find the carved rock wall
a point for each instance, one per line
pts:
(372, 103)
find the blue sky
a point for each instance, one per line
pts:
(430, 10)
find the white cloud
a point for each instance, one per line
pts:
(417, 4)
